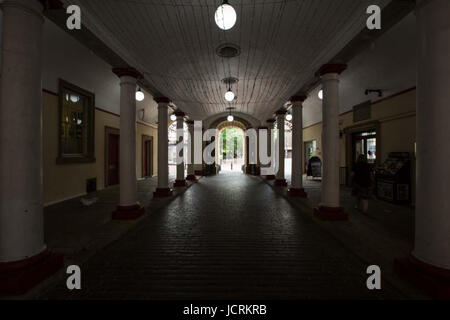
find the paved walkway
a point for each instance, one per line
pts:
(228, 236)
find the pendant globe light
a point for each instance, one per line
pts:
(230, 117)
(229, 95)
(289, 117)
(320, 94)
(225, 16)
(140, 95)
(173, 117)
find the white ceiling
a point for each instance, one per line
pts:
(173, 42)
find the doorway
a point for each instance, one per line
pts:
(147, 156)
(112, 156)
(231, 149)
(365, 143)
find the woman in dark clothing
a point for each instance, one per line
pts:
(362, 181)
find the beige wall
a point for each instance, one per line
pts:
(397, 118)
(63, 181)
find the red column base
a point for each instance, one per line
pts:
(128, 212)
(281, 183)
(431, 280)
(191, 177)
(20, 276)
(180, 183)
(331, 214)
(297, 192)
(162, 192)
(270, 177)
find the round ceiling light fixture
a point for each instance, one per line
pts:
(173, 117)
(230, 117)
(320, 94)
(229, 95)
(140, 95)
(228, 50)
(225, 16)
(289, 117)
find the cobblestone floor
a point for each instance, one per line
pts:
(229, 236)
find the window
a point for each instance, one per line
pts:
(76, 124)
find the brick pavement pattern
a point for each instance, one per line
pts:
(226, 237)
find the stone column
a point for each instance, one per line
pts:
(180, 181)
(24, 257)
(191, 168)
(296, 189)
(330, 208)
(281, 181)
(129, 207)
(163, 189)
(270, 126)
(429, 265)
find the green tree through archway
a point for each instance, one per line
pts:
(231, 154)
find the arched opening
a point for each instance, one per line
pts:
(231, 146)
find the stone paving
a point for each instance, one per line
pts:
(228, 236)
(379, 237)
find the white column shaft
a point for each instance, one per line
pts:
(128, 181)
(163, 146)
(330, 140)
(432, 236)
(191, 149)
(180, 131)
(21, 214)
(297, 145)
(281, 147)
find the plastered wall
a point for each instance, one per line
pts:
(64, 181)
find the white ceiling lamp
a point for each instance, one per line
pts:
(173, 117)
(229, 95)
(140, 95)
(289, 117)
(320, 94)
(230, 117)
(225, 16)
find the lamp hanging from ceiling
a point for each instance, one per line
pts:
(230, 117)
(140, 95)
(320, 94)
(289, 117)
(225, 16)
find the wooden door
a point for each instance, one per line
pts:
(113, 159)
(148, 163)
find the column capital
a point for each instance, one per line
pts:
(298, 98)
(331, 68)
(271, 121)
(162, 100)
(263, 128)
(281, 112)
(127, 72)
